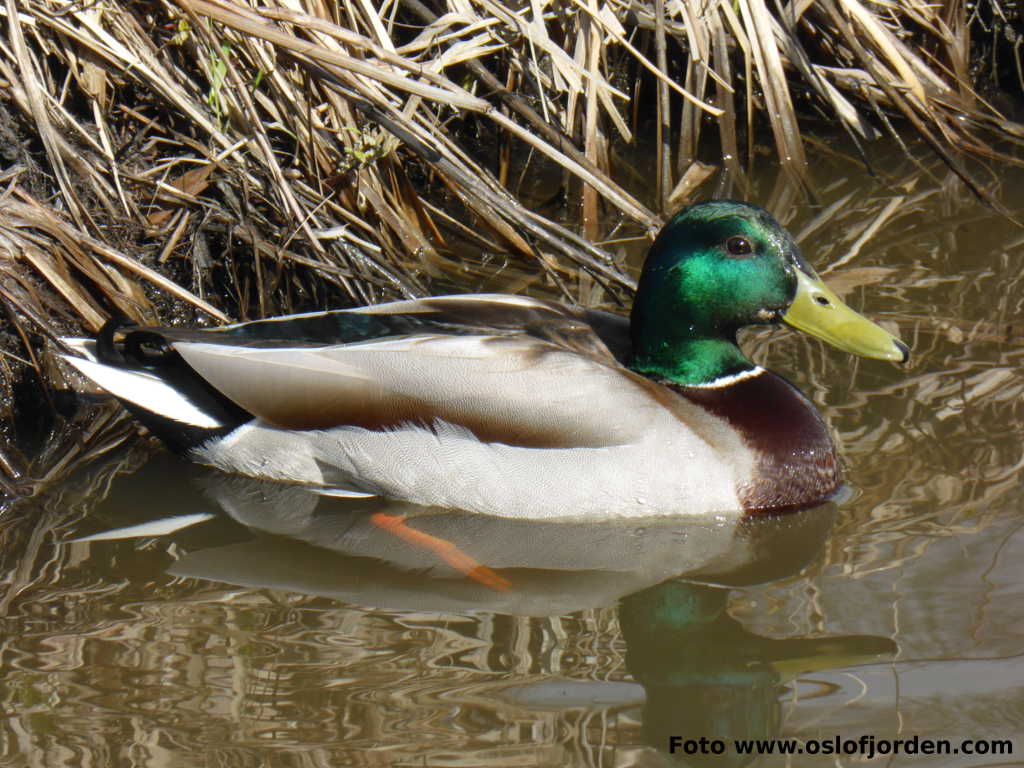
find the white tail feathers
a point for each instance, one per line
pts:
(82, 347)
(144, 390)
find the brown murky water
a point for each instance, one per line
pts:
(288, 631)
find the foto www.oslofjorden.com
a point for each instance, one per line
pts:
(867, 746)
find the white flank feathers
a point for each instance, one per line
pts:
(669, 471)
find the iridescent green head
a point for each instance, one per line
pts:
(721, 265)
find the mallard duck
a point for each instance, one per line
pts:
(514, 406)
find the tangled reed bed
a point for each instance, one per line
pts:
(198, 159)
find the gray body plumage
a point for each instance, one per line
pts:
(534, 417)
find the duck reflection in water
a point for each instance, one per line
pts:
(708, 681)
(698, 672)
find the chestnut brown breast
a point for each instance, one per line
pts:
(797, 464)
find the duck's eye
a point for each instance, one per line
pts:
(738, 245)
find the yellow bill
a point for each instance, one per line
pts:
(818, 311)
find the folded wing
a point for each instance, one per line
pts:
(513, 389)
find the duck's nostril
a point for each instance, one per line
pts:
(822, 300)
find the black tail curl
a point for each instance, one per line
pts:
(121, 343)
(138, 348)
